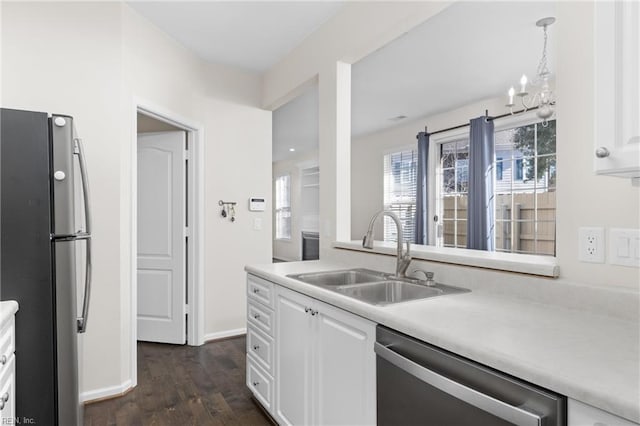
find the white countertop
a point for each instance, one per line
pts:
(7, 309)
(586, 356)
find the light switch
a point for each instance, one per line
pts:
(624, 247)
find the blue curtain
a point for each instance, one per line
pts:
(420, 228)
(480, 217)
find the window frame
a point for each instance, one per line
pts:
(276, 210)
(434, 171)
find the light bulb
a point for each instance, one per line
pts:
(512, 92)
(523, 83)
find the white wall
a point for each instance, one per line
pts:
(237, 155)
(367, 152)
(292, 249)
(357, 30)
(90, 60)
(585, 199)
(60, 58)
(599, 201)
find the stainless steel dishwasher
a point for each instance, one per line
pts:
(420, 384)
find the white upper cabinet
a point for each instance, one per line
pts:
(617, 88)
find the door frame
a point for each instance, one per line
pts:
(195, 217)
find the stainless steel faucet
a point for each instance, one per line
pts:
(403, 259)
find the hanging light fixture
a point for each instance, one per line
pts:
(543, 98)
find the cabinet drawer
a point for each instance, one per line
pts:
(7, 342)
(7, 392)
(260, 290)
(261, 347)
(260, 383)
(260, 316)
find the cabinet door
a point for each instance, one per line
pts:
(345, 375)
(8, 392)
(579, 414)
(293, 354)
(617, 88)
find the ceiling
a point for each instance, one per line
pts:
(295, 125)
(250, 35)
(469, 52)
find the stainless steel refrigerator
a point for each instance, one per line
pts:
(45, 259)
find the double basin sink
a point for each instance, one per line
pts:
(376, 288)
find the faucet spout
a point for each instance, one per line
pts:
(403, 258)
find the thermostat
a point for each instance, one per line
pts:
(256, 204)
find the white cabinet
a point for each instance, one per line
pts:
(7, 368)
(617, 88)
(345, 368)
(260, 343)
(579, 414)
(325, 369)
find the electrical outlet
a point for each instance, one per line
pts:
(591, 245)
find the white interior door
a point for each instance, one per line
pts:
(161, 237)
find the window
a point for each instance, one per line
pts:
(524, 189)
(400, 176)
(454, 167)
(283, 207)
(525, 200)
(518, 169)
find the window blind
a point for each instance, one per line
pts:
(400, 180)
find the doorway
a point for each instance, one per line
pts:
(167, 217)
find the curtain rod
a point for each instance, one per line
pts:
(486, 114)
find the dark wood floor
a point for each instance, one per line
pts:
(184, 385)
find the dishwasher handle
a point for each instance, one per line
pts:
(466, 394)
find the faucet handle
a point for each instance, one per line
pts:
(428, 275)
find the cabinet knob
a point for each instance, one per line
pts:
(5, 397)
(256, 384)
(602, 152)
(256, 290)
(256, 347)
(256, 316)
(313, 312)
(2, 404)
(3, 359)
(307, 310)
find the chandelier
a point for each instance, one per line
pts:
(543, 98)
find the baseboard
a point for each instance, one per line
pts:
(105, 393)
(224, 334)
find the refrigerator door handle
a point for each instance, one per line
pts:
(71, 237)
(82, 321)
(79, 151)
(86, 235)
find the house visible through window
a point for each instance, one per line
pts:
(400, 176)
(524, 190)
(283, 207)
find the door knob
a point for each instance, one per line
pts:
(602, 152)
